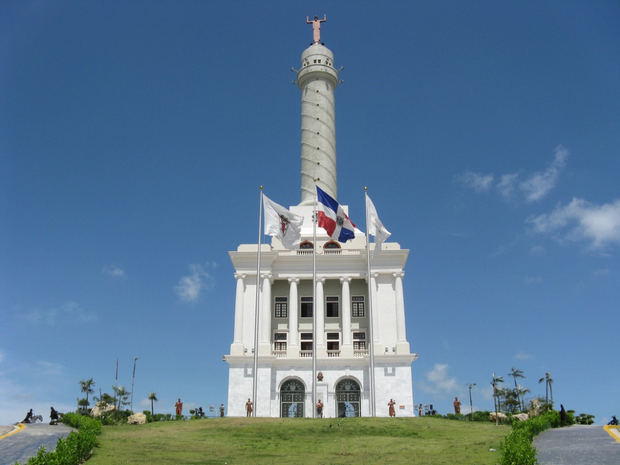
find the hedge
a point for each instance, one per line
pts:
(75, 448)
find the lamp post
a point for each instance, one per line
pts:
(471, 408)
(133, 377)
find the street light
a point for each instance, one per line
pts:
(471, 408)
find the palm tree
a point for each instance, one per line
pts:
(121, 394)
(153, 398)
(548, 390)
(516, 373)
(494, 382)
(522, 391)
(87, 387)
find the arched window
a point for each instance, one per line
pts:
(348, 396)
(306, 245)
(331, 245)
(292, 394)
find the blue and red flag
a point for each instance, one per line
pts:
(332, 218)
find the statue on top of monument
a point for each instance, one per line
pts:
(316, 27)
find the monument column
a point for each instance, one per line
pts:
(347, 344)
(293, 321)
(320, 317)
(264, 339)
(402, 346)
(237, 346)
(317, 79)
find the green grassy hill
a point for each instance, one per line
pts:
(241, 441)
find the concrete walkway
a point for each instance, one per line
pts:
(24, 444)
(577, 445)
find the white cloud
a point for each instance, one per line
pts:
(539, 184)
(114, 271)
(533, 280)
(440, 381)
(506, 184)
(67, 312)
(191, 286)
(476, 181)
(522, 355)
(534, 187)
(537, 250)
(581, 220)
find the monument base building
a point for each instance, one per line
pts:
(285, 327)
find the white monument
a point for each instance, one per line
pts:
(285, 335)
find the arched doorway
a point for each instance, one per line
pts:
(348, 396)
(292, 395)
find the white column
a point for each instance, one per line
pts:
(264, 337)
(320, 315)
(375, 308)
(237, 345)
(402, 345)
(293, 315)
(347, 344)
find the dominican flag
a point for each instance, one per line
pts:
(332, 218)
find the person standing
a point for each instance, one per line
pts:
(457, 406)
(179, 407)
(319, 409)
(222, 410)
(248, 408)
(391, 405)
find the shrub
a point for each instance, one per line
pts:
(75, 448)
(148, 415)
(584, 419)
(517, 448)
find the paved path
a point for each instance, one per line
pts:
(25, 444)
(577, 445)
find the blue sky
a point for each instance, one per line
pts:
(134, 136)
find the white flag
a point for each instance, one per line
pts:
(281, 223)
(375, 226)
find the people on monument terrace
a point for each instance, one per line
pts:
(222, 410)
(457, 406)
(391, 405)
(614, 421)
(319, 409)
(420, 410)
(248, 408)
(179, 407)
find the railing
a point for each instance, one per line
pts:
(321, 252)
(333, 353)
(303, 252)
(305, 354)
(279, 353)
(360, 353)
(332, 251)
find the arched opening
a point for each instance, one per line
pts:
(331, 245)
(292, 395)
(306, 245)
(348, 397)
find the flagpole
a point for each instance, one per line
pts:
(371, 346)
(257, 303)
(314, 220)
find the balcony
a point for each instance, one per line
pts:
(333, 353)
(278, 353)
(360, 353)
(305, 354)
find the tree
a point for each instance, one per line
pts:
(522, 391)
(153, 398)
(87, 387)
(121, 396)
(494, 382)
(548, 390)
(516, 373)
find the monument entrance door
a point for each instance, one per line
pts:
(348, 395)
(292, 395)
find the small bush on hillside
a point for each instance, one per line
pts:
(584, 419)
(148, 415)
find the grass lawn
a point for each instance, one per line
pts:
(242, 441)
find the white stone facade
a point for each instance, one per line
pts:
(285, 332)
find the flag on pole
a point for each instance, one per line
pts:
(332, 218)
(375, 226)
(281, 223)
